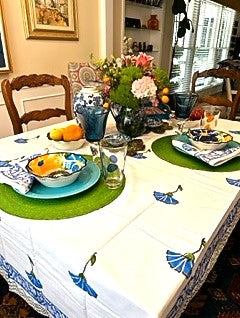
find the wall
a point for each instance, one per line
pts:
(47, 56)
(52, 56)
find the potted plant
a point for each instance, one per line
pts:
(130, 83)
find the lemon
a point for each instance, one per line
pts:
(56, 134)
(165, 99)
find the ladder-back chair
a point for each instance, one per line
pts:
(225, 74)
(34, 80)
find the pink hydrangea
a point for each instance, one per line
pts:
(144, 87)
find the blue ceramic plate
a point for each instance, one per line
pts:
(88, 177)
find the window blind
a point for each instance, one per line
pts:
(203, 48)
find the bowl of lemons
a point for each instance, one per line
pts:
(70, 137)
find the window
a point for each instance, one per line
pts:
(206, 46)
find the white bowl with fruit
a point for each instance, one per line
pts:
(67, 138)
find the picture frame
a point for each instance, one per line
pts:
(5, 60)
(50, 19)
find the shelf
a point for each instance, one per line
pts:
(140, 29)
(133, 3)
(147, 52)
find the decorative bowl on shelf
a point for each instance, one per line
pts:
(57, 169)
(205, 139)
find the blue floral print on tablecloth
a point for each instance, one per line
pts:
(183, 263)
(235, 182)
(32, 277)
(80, 279)
(167, 197)
(24, 140)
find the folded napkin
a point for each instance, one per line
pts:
(213, 158)
(14, 173)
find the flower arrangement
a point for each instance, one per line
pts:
(132, 80)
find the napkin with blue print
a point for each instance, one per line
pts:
(14, 173)
(213, 158)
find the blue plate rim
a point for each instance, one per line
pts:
(75, 188)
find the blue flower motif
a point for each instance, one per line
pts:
(21, 140)
(4, 163)
(139, 156)
(183, 263)
(180, 262)
(81, 282)
(25, 140)
(36, 282)
(167, 197)
(235, 182)
(32, 277)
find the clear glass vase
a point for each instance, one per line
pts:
(130, 121)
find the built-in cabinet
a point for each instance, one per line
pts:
(145, 38)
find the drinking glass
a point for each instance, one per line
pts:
(113, 150)
(210, 118)
(183, 104)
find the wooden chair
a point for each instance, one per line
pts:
(81, 74)
(34, 80)
(225, 74)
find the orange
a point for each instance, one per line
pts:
(72, 132)
(165, 91)
(165, 99)
(106, 105)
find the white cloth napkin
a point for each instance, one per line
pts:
(213, 158)
(14, 173)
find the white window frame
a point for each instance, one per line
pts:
(217, 42)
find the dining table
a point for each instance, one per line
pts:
(140, 251)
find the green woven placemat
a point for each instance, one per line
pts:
(164, 149)
(62, 208)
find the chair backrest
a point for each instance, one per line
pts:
(34, 80)
(222, 73)
(81, 74)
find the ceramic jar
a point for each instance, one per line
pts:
(153, 22)
(88, 96)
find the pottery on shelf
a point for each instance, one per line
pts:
(153, 22)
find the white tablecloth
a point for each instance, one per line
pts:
(131, 237)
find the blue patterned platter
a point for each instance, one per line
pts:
(88, 177)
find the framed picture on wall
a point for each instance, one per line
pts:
(5, 61)
(50, 19)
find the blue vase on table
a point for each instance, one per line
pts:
(90, 113)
